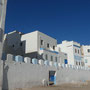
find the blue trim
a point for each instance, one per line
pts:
(50, 51)
(46, 62)
(55, 64)
(54, 80)
(76, 46)
(19, 59)
(34, 61)
(41, 48)
(77, 58)
(65, 61)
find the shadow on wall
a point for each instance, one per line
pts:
(14, 45)
(34, 55)
(1, 34)
(5, 77)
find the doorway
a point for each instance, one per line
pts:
(52, 77)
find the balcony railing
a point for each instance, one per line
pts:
(49, 50)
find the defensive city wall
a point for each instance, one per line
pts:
(20, 75)
(17, 72)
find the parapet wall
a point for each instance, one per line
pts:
(20, 75)
(20, 59)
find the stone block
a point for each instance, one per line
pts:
(41, 62)
(19, 58)
(27, 60)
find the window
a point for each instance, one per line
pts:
(13, 45)
(82, 63)
(59, 49)
(41, 42)
(46, 57)
(55, 59)
(75, 50)
(76, 63)
(53, 47)
(88, 50)
(48, 45)
(21, 44)
(51, 58)
(78, 51)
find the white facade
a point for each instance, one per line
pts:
(73, 51)
(34, 45)
(86, 54)
(35, 39)
(42, 44)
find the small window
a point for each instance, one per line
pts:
(48, 45)
(55, 59)
(78, 51)
(88, 50)
(53, 47)
(13, 45)
(21, 44)
(75, 50)
(41, 42)
(51, 58)
(46, 57)
(76, 63)
(59, 49)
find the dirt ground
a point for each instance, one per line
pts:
(75, 86)
(69, 86)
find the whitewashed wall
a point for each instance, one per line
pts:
(86, 55)
(26, 75)
(69, 47)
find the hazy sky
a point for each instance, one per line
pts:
(61, 19)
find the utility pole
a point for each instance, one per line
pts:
(3, 5)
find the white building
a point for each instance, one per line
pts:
(34, 45)
(40, 45)
(86, 54)
(73, 51)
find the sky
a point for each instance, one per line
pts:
(60, 19)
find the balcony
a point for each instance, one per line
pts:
(49, 51)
